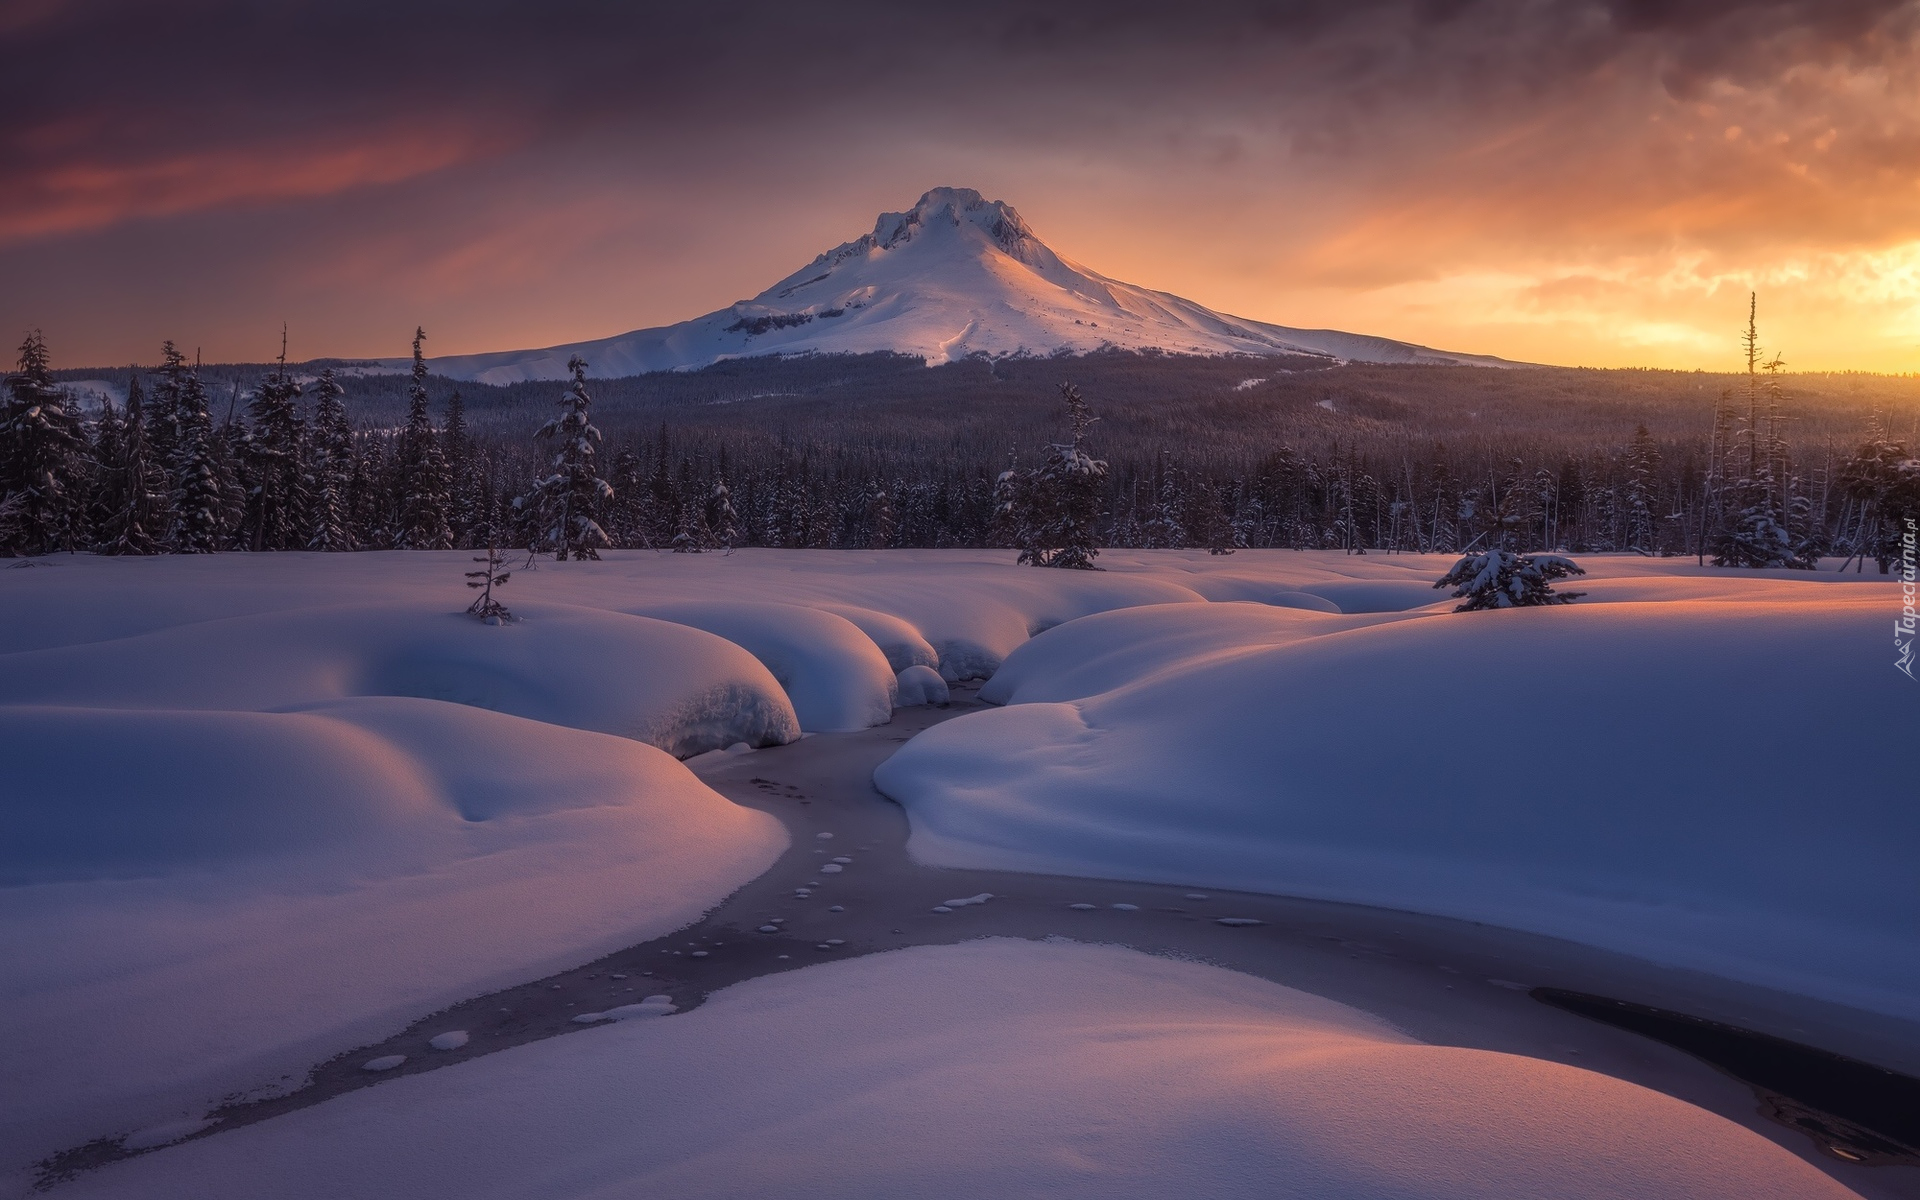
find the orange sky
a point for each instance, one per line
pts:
(1596, 183)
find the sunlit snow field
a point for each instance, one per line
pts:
(261, 809)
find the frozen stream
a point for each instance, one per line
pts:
(846, 887)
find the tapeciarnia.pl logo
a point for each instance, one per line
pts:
(1903, 628)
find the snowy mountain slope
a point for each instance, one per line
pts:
(955, 276)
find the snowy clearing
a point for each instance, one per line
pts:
(993, 1068)
(266, 808)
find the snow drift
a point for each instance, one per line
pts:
(836, 676)
(675, 687)
(194, 903)
(1708, 784)
(996, 1068)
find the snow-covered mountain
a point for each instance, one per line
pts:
(956, 275)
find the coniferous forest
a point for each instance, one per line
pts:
(1755, 468)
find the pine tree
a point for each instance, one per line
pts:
(108, 451)
(567, 501)
(1643, 459)
(1757, 533)
(134, 520)
(272, 456)
(1883, 479)
(630, 524)
(423, 471)
(1218, 530)
(43, 460)
(723, 523)
(1051, 511)
(330, 470)
(197, 497)
(1503, 579)
(882, 524)
(370, 491)
(463, 511)
(163, 410)
(1166, 527)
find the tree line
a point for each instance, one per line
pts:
(292, 469)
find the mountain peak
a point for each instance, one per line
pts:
(958, 208)
(941, 211)
(956, 275)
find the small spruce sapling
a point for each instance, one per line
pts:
(1503, 579)
(488, 577)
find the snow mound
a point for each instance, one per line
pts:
(898, 640)
(195, 903)
(994, 1068)
(836, 677)
(1633, 776)
(1107, 650)
(658, 682)
(921, 685)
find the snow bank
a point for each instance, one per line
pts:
(922, 685)
(194, 903)
(995, 1068)
(835, 675)
(1712, 784)
(899, 641)
(663, 683)
(1105, 651)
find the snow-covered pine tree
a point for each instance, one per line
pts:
(44, 460)
(629, 522)
(463, 505)
(723, 523)
(1502, 579)
(423, 470)
(691, 536)
(197, 497)
(230, 459)
(163, 409)
(330, 468)
(1217, 530)
(1127, 533)
(134, 520)
(1016, 510)
(568, 499)
(1050, 512)
(881, 522)
(106, 447)
(1643, 459)
(272, 457)
(1248, 523)
(372, 508)
(1166, 527)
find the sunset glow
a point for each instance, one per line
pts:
(1582, 183)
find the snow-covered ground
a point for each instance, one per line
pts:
(263, 808)
(194, 903)
(997, 1068)
(1693, 771)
